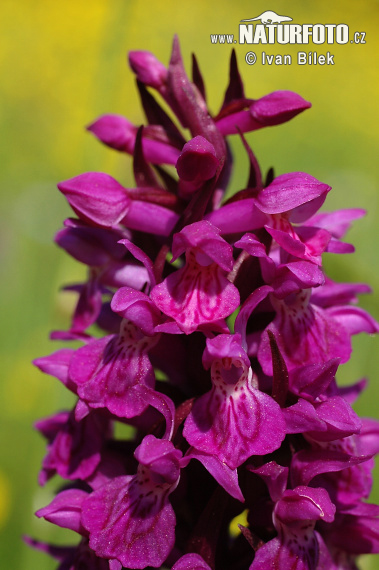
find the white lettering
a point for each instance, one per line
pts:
(246, 33)
(291, 34)
(295, 34)
(267, 58)
(283, 34)
(271, 33)
(330, 58)
(330, 32)
(307, 31)
(301, 58)
(318, 36)
(260, 34)
(342, 34)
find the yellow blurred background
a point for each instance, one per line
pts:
(62, 65)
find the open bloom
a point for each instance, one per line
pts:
(199, 293)
(131, 518)
(235, 420)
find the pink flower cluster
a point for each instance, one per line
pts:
(209, 327)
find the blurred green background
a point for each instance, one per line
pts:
(62, 65)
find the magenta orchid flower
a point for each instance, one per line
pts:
(209, 429)
(131, 518)
(199, 293)
(235, 420)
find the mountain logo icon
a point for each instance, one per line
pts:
(270, 17)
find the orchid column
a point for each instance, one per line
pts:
(209, 326)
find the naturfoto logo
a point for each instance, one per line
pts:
(272, 28)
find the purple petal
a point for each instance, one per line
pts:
(96, 198)
(303, 554)
(303, 274)
(275, 476)
(224, 346)
(197, 161)
(206, 238)
(156, 151)
(235, 420)
(304, 504)
(240, 121)
(278, 107)
(65, 554)
(339, 417)
(88, 306)
(272, 109)
(56, 364)
(114, 131)
(130, 518)
(355, 535)
(226, 477)
(82, 410)
(119, 274)
(191, 562)
(251, 244)
(368, 437)
(140, 256)
(312, 380)
(119, 133)
(65, 510)
(91, 245)
(150, 218)
(162, 459)
(287, 277)
(335, 246)
(107, 370)
(305, 334)
(353, 391)
(247, 308)
(272, 554)
(169, 326)
(50, 426)
(290, 191)
(332, 294)
(306, 464)
(292, 244)
(297, 545)
(196, 295)
(354, 319)
(337, 223)
(138, 308)
(148, 68)
(302, 417)
(160, 402)
(74, 446)
(196, 164)
(236, 217)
